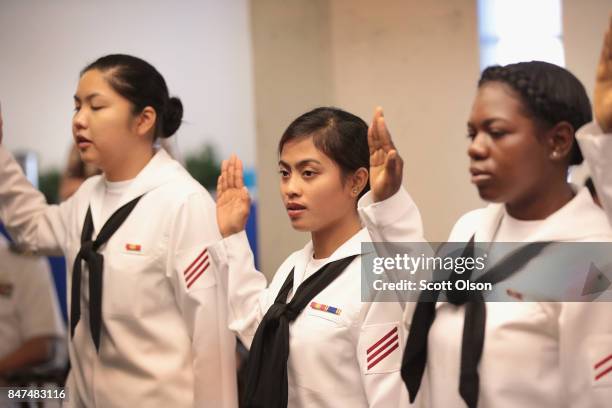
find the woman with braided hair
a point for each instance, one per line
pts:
(519, 352)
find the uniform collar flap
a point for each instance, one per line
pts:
(577, 220)
(158, 171)
(350, 247)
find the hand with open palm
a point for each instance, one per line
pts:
(603, 84)
(386, 165)
(233, 201)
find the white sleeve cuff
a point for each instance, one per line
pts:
(590, 129)
(237, 241)
(386, 212)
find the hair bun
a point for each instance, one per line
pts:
(173, 116)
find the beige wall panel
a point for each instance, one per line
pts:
(292, 74)
(419, 60)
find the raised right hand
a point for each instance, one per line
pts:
(602, 100)
(386, 165)
(233, 201)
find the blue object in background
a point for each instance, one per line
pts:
(251, 231)
(58, 269)
(250, 181)
(3, 232)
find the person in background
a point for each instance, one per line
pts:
(76, 172)
(32, 331)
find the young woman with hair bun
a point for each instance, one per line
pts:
(147, 318)
(313, 340)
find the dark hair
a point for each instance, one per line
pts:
(340, 135)
(141, 84)
(550, 93)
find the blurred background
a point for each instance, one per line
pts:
(245, 69)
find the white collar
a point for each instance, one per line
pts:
(158, 171)
(578, 220)
(348, 248)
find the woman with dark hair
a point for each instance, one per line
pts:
(596, 138)
(147, 319)
(312, 340)
(468, 352)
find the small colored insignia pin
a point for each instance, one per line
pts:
(133, 247)
(325, 308)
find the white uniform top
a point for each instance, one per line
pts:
(347, 356)
(596, 148)
(164, 340)
(535, 354)
(28, 303)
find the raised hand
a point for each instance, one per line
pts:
(603, 84)
(233, 201)
(385, 163)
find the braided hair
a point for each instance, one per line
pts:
(551, 94)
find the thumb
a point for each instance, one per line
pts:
(219, 186)
(247, 195)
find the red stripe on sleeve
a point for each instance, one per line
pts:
(195, 261)
(602, 362)
(603, 373)
(197, 268)
(195, 278)
(385, 337)
(387, 344)
(379, 359)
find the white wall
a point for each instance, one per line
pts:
(201, 47)
(292, 65)
(419, 60)
(584, 25)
